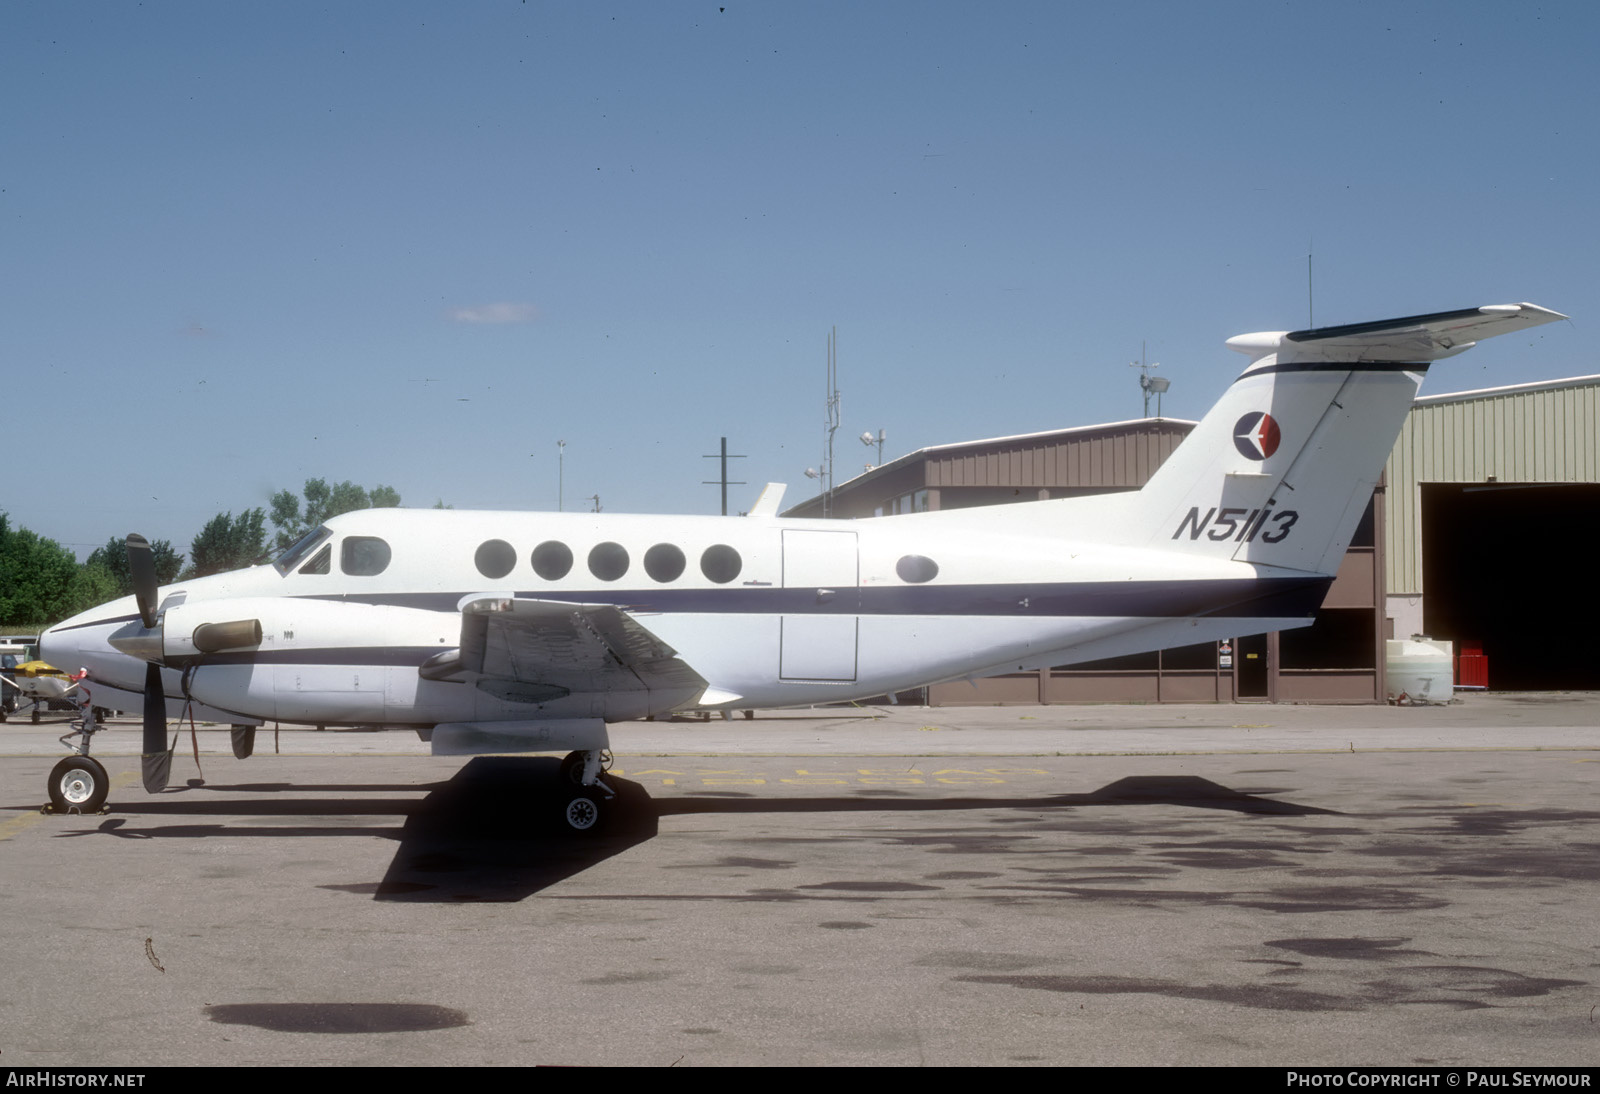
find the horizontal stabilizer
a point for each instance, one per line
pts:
(1412, 338)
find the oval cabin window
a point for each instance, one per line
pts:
(608, 561)
(721, 563)
(664, 562)
(552, 560)
(495, 558)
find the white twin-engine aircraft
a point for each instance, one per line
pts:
(494, 632)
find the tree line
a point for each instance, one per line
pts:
(41, 582)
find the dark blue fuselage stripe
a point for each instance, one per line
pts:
(1280, 598)
(402, 656)
(1255, 598)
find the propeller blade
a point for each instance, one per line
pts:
(156, 760)
(142, 569)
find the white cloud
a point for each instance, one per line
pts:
(496, 313)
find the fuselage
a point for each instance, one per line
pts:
(767, 611)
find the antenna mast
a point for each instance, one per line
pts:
(1151, 385)
(832, 421)
(1311, 311)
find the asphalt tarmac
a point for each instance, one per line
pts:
(1065, 885)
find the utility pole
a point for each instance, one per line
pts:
(724, 457)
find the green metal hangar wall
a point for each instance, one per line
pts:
(1486, 490)
(1337, 660)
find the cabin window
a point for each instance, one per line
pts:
(552, 560)
(664, 562)
(608, 561)
(320, 564)
(495, 558)
(916, 569)
(301, 549)
(363, 556)
(721, 563)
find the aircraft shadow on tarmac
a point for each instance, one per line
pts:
(487, 835)
(492, 833)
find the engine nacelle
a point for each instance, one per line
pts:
(299, 659)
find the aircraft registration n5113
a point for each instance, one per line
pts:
(502, 631)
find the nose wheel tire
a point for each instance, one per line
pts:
(78, 785)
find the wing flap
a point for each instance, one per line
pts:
(580, 648)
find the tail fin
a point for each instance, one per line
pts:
(1280, 470)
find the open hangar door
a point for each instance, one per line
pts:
(1511, 565)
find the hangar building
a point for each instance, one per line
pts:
(1488, 491)
(1478, 482)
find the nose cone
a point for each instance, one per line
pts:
(82, 642)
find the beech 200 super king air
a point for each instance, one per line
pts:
(496, 632)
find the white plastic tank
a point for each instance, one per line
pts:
(1420, 669)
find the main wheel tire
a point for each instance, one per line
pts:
(78, 784)
(572, 766)
(572, 769)
(582, 813)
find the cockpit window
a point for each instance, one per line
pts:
(301, 549)
(320, 564)
(363, 556)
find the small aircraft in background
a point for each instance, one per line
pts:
(28, 684)
(501, 631)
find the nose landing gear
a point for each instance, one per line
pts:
(79, 784)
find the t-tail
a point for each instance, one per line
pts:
(1280, 470)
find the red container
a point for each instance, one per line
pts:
(1472, 667)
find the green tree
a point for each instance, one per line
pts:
(94, 584)
(113, 557)
(36, 576)
(228, 543)
(322, 502)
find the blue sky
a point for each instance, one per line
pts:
(416, 244)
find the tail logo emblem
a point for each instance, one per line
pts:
(1256, 436)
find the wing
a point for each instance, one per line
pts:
(1412, 338)
(535, 651)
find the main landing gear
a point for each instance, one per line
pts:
(585, 797)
